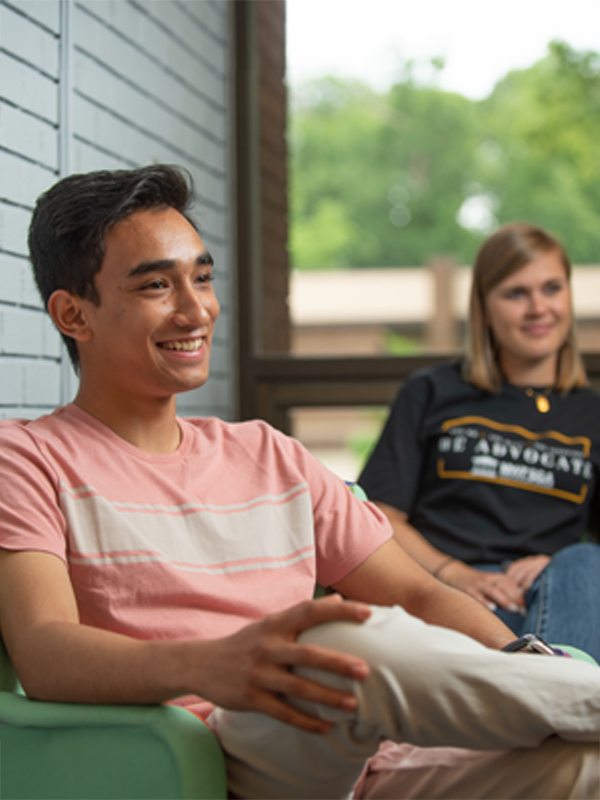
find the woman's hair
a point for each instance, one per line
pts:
(505, 252)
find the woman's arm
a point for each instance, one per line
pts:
(490, 588)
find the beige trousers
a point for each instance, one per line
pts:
(448, 699)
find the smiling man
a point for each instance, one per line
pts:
(146, 335)
(147, 558)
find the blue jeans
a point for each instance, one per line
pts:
(563, 603)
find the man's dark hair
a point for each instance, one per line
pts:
(71, 219)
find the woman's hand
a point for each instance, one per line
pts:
(493, 589)
(524, 571)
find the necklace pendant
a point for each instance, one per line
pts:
(542, 403)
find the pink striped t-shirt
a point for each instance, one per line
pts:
(239, 522)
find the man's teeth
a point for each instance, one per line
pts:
(193, 344)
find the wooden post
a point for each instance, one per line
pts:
(442, 328)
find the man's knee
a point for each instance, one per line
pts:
(383, 640)
(395, 645)
(388, 631)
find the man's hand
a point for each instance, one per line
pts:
(252, 670)
(490, 588)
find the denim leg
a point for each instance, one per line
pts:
(563, 604)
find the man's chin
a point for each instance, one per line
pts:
(191, 384)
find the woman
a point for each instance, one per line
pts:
(488, 470)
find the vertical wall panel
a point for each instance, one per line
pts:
(108, 84)
(275, 324)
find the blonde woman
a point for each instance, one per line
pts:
(488, 470)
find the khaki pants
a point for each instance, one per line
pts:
(447, 698)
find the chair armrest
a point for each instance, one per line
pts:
(94, 751)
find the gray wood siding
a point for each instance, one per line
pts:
(108, 84)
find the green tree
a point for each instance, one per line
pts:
(335, 137)
(430, 140)
(393, 179)
(376, 179)
(543, 127)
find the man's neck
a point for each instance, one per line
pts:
(149, 424)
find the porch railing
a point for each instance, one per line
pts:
(277, 384)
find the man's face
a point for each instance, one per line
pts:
(150, 335)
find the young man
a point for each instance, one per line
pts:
(146, 558)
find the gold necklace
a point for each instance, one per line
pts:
(541, 400)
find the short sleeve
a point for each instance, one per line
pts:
(30, 514)
(392, 473)
(347, 530)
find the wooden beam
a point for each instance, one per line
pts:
(281, 384)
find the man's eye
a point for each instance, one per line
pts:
(205, 277)
(157, 284)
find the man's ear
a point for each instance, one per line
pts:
(69, 316)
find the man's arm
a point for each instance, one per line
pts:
(391, 577)
(490, 588)
(57, 658)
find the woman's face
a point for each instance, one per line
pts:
(529, 314)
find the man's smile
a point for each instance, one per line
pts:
(188, 345)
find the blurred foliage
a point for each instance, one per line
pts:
(397, 345)
(393, 179)
(361, 446)
(361, 442)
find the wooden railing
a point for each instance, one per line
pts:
(277, 384)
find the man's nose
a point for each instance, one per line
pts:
(192, 307)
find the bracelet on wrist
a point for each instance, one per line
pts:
(442, 565)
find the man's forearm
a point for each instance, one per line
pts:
(391, 577)
(69, 662)
(452, 608)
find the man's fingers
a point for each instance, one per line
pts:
(315, 657)
(279, 709)
(277, 684)
(264, 656)
(317, 612)
(285, 650)
(286, 685)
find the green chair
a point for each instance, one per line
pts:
(60, 750)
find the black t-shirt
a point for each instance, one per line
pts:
(486, 476)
